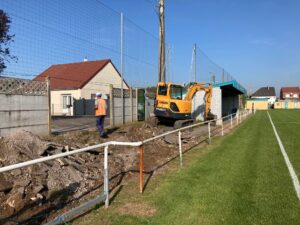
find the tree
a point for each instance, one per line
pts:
(5, 40)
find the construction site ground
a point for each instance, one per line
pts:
(38, 193)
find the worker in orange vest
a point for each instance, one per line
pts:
(100, 112)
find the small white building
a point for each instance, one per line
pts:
(80, 80)
(265, 93)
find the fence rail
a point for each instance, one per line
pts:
(104, 197)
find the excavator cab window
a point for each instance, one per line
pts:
(162, 90)
(176, 92)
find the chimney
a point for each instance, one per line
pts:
(85, 59)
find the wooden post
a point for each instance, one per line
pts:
(49, 103)
(141, 168)
(111, 105)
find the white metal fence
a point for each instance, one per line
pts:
(234, 119)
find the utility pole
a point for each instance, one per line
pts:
(168, 58)
(161, 64)
(195, 62)
(122, 69)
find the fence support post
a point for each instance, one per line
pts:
(106, 179)
(222, 128)
(141, 168)
(237, 118)
(180, 148)
(136, 104)
(131, 104)
(231, 121)
(111, 106)
(209, 140)
(49, 103)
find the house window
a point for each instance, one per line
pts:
(67, 101)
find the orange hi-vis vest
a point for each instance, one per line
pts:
(100, 107)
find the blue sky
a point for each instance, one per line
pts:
(256, 41)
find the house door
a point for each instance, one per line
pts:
(286, 104)
(296, 104)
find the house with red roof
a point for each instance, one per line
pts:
(80, 80)
(289, 98)
(290, 93)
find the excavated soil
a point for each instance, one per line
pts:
(36, 194)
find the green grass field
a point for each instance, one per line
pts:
(239, 179)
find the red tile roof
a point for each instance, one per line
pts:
(290, 89)
(72, 75)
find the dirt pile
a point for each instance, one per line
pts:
(29, 195)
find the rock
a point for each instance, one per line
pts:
(23, 182)
(171, 139)
(39, 196)
(37, 189)
(16, 172)
(5, 185)
(21, 190)
(15, 201)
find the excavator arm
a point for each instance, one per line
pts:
(194, 87)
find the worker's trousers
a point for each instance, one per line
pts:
(100, 124)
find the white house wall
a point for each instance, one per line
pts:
(100, 83)
(56, 101)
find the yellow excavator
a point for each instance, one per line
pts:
(173, 103)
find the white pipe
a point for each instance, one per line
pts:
(60, 155)
(134, 144)
(106, 179)
(180, 148)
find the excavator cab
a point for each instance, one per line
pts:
(170, 103)
(174, 102)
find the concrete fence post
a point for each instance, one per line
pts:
(131, 104)
(111, 106)
(180, 148)
(231, 121)
(237, 118)
(106, 178)
(136, 104)
(49, 103)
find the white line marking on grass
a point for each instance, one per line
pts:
(287, 161)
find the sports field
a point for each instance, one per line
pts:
(241, 178)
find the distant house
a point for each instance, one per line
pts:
(80, 80)
(265, 93)
(289, 98)
(262, 99)
(290, 93)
